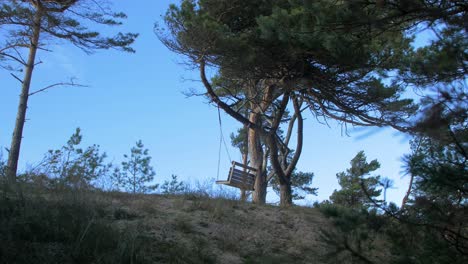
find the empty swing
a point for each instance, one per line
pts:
(240, 176)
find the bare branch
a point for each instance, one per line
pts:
(55, 85)
(16, 77)
(18, 59)
(290, 128)
(2, 50)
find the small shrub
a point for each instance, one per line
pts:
(174, 186)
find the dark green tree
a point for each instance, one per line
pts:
(429, 227)
(136, 174)
(272, 56)
(356, 235)
(357, 187)
(29, 25)
(437, 204)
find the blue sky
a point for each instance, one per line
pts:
(140, 96)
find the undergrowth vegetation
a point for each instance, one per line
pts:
(88, 226)
(64, 229)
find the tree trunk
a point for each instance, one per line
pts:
(285, 172)
(256, 161)
(243, 191)
(285, 194)
(283, 177)
(14, 151)
(408, 193)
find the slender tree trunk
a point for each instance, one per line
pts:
(256, 161)
(285, 194)
(14, 152)
(408, 193)
(243, 191)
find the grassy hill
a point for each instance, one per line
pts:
(96, 227)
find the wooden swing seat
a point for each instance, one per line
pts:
(240, 176)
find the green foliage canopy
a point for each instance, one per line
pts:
(294, 43)
(61, 20)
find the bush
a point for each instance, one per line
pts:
(62, 231)
(174, 186)
(71, 165)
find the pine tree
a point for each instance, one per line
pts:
(29, 25)
(437, 204)
(73, 166)
(357, 188)
(272, 56)
(136, 174)
(174, 186)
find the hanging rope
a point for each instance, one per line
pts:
(221, 141)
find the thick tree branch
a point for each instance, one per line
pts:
(300, 134)
(272, 141)
(278, 116)
(274, 159)
(214, 97)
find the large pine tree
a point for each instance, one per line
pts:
(271, 56)
(29, 25)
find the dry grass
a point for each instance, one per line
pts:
(186, 229)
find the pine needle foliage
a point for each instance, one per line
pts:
(136, 173)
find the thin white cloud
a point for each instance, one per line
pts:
(62, 60)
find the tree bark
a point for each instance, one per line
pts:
(14, 151)
(285, 194)
(408, 193)
(283, 172)
(256, 160)
(243, 191)
(284, 179)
